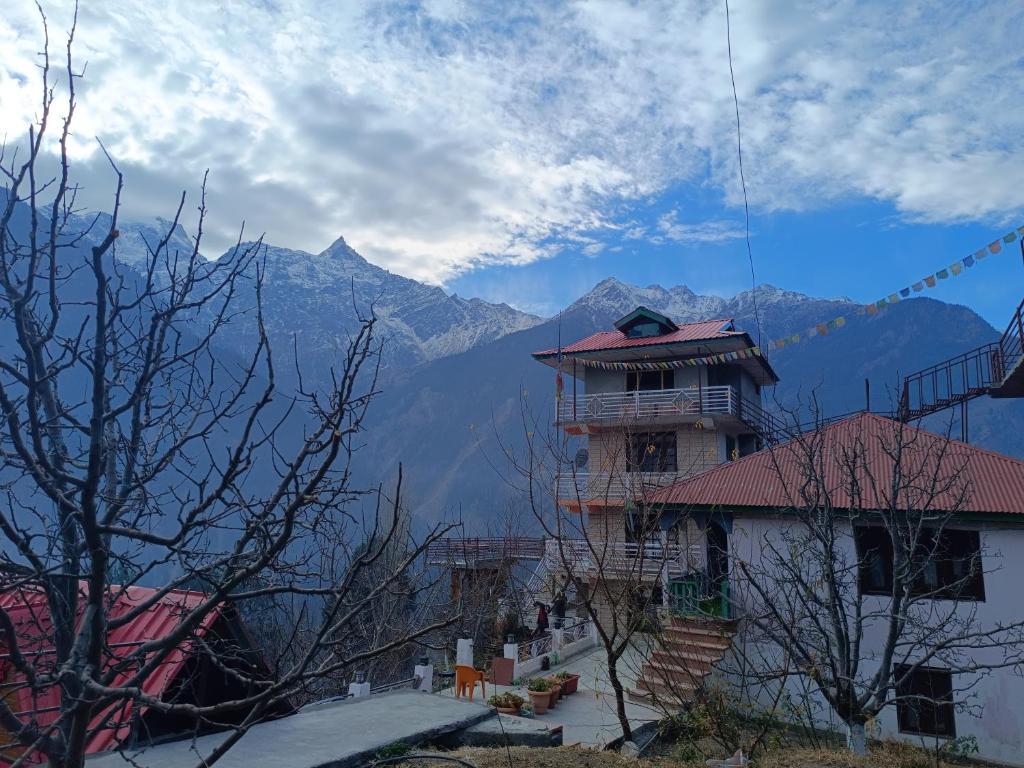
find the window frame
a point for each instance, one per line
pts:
(636, 457)
(881, 581)
(634, 378)
(941, 712)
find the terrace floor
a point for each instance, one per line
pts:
(588, 717)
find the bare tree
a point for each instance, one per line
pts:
(868, 579)
(136, 451)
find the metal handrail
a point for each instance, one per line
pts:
(634, 405)
(1011, 343)
(612, 485)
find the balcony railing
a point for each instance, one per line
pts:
(666, 403)
(612, 486)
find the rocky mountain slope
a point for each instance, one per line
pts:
(454, 421)
(314, 299)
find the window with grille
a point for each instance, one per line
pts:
(924, 701)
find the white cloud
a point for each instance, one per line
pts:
(715, 231)
(460, 134)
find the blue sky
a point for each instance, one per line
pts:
(522, 152)
(863, 251)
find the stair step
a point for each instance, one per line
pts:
(686, 676)
(663, 658)
(677, 692)
(638, 696)
(672, 636)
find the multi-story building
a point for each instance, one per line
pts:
(653, 402)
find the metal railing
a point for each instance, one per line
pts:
(577, 631)
(612, 486)
(950, 382)
(473, 550)
(532, 649)
(1011, 344)
(636, 405)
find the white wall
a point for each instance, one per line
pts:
(996, 700)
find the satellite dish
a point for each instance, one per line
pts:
(582, 457)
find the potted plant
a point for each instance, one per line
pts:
(556, 692)
(540, 694)
(569, 682)
(506, 703)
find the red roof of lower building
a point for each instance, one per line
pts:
(28, 610)
(970, 479)
(705, 330)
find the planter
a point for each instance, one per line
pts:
(560, 684)
(508, 710)
(556, 691)
(570, 685)
(540, 700)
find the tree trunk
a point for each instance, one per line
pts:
(855, 739)
(620, 697)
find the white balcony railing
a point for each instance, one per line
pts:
(612, 486)
(636, 405)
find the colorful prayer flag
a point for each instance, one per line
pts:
(1009, 237)
(822, 329)
(942, 274)
(918, 286)
(995, 246)
(904, 292)
(980, 254)
(956, 268)
(840, 322)
(930, 281)
(968, 261)
(872, 309)
(794, 339)
(893, 298)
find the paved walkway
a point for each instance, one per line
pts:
(337, 735)
(588, 717)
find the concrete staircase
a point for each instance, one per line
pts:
(686, 652)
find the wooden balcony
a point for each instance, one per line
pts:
(666, 406)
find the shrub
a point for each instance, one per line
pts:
(506, 700)
(539, 685)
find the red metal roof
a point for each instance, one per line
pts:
(993, 483)
(29, 612)
(705, 330)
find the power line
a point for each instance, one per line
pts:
(743, 178)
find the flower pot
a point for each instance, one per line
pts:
(556, 691)
(571, 685)
(540, 700)
(508, 710)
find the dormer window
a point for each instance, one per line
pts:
(644, 323)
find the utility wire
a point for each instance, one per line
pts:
(743, 178)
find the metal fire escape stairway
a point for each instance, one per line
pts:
(995, 369)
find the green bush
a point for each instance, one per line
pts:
(540, 685)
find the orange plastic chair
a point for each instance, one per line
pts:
(466, 678)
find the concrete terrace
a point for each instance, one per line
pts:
(338, 735)
(588, 717)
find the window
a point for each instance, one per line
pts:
(924, 701)
(648, 380)
(651, 452)
(951, 561)
(642, 527)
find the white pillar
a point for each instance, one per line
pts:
(556, 639)
(424, 677)
(464, 652)
(358, 690)
(511, 651)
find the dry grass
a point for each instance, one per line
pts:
(885, 755)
